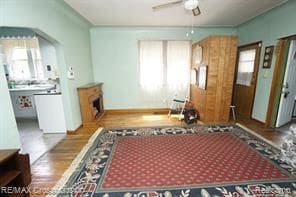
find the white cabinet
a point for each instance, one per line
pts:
(23, 104)
(22, 98)
(50, 112)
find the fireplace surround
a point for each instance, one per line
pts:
(91, 104)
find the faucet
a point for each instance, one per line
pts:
(31, 83)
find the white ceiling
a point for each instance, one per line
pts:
(139, 12)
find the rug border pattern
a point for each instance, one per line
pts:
(184, 190)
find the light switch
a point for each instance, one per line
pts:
(70, 73)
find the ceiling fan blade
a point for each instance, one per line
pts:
(167, 5)
(196, 11)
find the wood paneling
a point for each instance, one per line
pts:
(219, 54)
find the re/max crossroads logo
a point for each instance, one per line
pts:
(251, 190)
(36, 190)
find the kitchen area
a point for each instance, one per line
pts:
(30, 67)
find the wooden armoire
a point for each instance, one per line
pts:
(219, 54)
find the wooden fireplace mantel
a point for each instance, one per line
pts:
(91, 103)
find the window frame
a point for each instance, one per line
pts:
(32, 64)
(257, 46)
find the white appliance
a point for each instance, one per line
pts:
(50, 112)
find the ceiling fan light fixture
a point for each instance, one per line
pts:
(191, 4)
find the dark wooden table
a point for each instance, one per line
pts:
(14, 171)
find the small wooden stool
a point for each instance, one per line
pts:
(232, 107)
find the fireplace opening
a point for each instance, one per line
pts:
(96, 107)
(91, 104)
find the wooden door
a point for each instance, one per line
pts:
(247, 67)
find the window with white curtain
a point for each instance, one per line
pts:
(22, 55)
(164, 63)
(178, 63)
(151, 64)
(19, 68)
(37, 63)
(246, 67)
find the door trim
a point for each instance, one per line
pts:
(254, 45)
(275, 79)
(251, 45)
(291, 37)
(276, 75)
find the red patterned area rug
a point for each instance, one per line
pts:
(179, 161)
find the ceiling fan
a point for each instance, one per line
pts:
(188, 5)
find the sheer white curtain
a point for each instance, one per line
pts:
(19, 64)
(178, 67)
(22, 55)
(151, 65)
(164, 71)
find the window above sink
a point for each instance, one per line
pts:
(23, 58)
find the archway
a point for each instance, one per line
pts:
(12, 138)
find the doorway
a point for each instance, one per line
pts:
(282, 107)
(288, 93)
(30, 67)
(246, 73)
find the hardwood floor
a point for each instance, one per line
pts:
(47, 170)
(50, 167)
(272, 135)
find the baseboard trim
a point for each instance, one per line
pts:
(71, 132)
(140, 110)
(258, 121)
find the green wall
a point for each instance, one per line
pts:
(276, 23)
(72, 40)
(9, 137)
(115, 60)
(114, 53)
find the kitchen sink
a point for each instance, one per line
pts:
(33, 87)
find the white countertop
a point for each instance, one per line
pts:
(37, 87)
